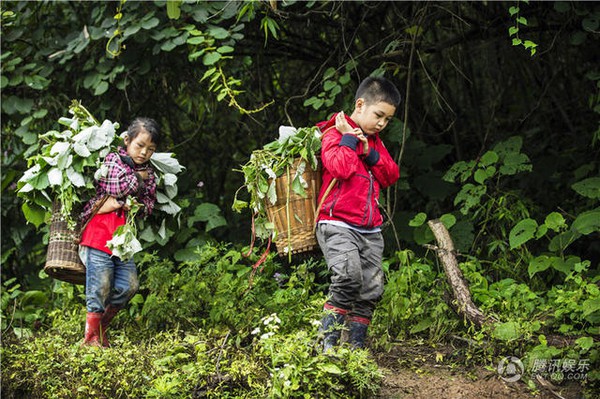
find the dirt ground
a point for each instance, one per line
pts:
(412, 372)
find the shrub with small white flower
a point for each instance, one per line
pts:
(271, 326)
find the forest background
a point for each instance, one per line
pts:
(497, 134)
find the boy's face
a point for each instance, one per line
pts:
(372, 118)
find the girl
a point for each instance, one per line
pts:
(111, 282)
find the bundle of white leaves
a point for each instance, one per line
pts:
(62, 168)
(124, 243)
(167, 168)
(65, 164)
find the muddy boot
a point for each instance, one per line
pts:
(92, 330)
(331, 328)
(109, 314)
(358, 327)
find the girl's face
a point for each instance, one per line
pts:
(141, 148)
(372, 118)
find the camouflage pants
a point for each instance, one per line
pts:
(354, 263)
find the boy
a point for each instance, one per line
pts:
(349, 221)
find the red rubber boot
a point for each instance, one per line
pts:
(92, 329)
(109, 313)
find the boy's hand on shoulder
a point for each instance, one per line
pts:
(342, 125)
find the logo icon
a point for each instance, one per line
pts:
(510, 369)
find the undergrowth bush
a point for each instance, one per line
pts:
(196, 329)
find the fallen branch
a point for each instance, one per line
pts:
(548, 386)
(447, 254)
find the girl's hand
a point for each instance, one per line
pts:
(132, 203)
(143, 174)
(110, 205)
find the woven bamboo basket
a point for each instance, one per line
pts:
(62, 259)
(294, 215)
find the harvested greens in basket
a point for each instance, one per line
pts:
(290, 155)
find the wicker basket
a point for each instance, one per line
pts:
(62, 260)
(294, 215)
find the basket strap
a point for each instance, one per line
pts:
(331, 184)
(326, 130)
(97, 207)
(325, 194)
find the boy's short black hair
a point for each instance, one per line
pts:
(376, 88)
(140, 124)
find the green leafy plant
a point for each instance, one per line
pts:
(64, 167)
(21, 310)
(275, 159)
(413, 301)
(519, 21)
(333, 82)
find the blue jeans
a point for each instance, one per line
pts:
(108, 280)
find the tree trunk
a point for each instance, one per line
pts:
(447, 254)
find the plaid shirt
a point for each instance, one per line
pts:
(120, 180)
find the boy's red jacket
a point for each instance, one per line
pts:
(354, 197)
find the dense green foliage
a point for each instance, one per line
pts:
(497, 134)
(239, 348)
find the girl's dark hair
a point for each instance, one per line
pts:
(375, 89)
(149, 125)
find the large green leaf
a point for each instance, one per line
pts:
(218, 32)
(421, 325)
(589, 188)
(539, 264)
(34, 297)
(206, 210)
(215, 221)
(561, 241)
(489, 158)
(418, 220)
(211, 58)
(173, 9)
(555, 221)
(522, 232)
(34, 214)
(587, 222)
(469, 196)
(101, 88)
(591, 309)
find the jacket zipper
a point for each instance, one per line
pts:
(369, 200)
(335, 198)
